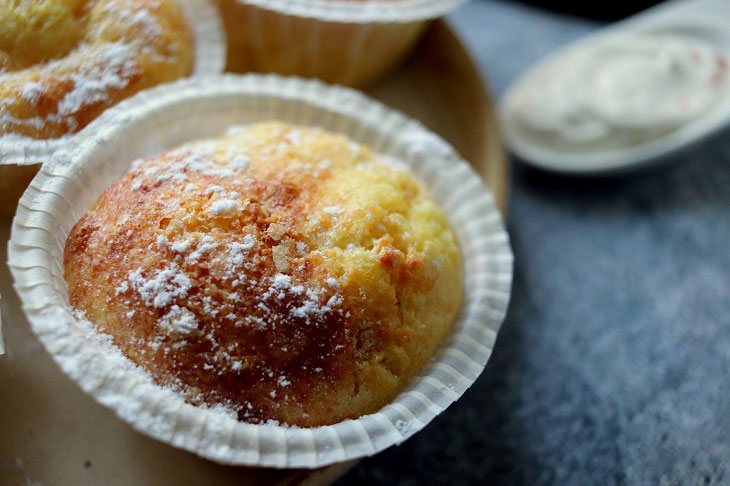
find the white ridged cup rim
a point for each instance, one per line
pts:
(367, 11)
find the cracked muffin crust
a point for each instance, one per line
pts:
(284, 273)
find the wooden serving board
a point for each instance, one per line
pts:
(52, 433)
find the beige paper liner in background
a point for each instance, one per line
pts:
(20, 157)
(343, 42)
(169, 115)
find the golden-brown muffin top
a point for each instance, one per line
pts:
(287, 273)
(62, 62)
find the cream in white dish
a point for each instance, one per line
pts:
(619, 92)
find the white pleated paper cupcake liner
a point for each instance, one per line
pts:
(360, 11)
(345, 42)
(210, 59)
(210, 36)
(165, 117)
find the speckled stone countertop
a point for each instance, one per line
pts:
(613, 366)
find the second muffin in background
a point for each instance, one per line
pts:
(64, 63)
(350, 42)
(285, 273)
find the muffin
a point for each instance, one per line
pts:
(167, 116)
(352, 42)
(64, 62)
(286, 274)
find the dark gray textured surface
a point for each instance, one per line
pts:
(613, 366)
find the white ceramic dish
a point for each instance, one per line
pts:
(706, 20)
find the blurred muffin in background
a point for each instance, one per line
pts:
(65, 62)
(351, 42)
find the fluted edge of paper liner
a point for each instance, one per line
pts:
(372, 11)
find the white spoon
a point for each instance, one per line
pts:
(704, 20)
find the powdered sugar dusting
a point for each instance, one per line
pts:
(206, 244)
(201, 158)
(237, 251)
(235, 130)
(113, 64)
(312, 309)
(224, 207)
(394, 163)
(178, 322)
(105, 343)
(32, 91)
(333, 210)
(181, 246)
(294, 136)
(109, 67)
(238, 161)
(141, 18)
(160, 290)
